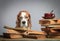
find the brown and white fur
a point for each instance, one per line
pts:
(23, 20)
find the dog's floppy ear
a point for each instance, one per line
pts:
(30, 25)
(18, 21)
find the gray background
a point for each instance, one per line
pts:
(10, 8)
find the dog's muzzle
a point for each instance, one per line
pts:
(23, 22)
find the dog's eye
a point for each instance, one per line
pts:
(26, 17)
(20, 17)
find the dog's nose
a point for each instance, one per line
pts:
(23, 22)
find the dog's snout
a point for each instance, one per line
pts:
(23, 22)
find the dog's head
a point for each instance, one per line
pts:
(23, 19)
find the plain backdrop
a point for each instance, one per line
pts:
(10, 8)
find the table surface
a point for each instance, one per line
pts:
(28, 39)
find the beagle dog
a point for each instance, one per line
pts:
(23, 20)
